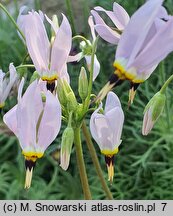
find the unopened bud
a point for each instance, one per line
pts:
(66, 147)
(153, 111)
(61, 93)
(83, 84)
(71, 102)
(34, 76)
(86, 47)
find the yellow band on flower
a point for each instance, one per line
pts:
(123, 74)
(2, 105)
(109, 153)
(50, 79)
(32, 156)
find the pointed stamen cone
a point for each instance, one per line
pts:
(50, 86)
(132, 93)
(29, 164)
(104, 91)
(109, 159)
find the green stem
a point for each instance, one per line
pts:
(81, 38)
(96, 161)
(12, 20)
(81, 164)
(69, 9)
(163, 91)
(87, 101)
(165, 85)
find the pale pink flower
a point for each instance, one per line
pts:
(146, 40)
(35, 122)
(106, 129)
(87, 51)
(118, 16)
(50, 59)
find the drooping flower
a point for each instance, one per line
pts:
(6, 84)
(50, 59)
(152, 112)
(118, 16)
(146, 40)
(86, 52)
(35, 121)
(106, 129)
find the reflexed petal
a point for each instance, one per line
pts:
(64, 74)
(157, 49)
(115, 118)
(112, 101)
(121, 15)
(91, 24)
(104, 30)
(37, 41)
(50, 123)
(61, 46)
(131, 40)
(76, 57)
(96, 65)
(28, 112)
(55, 28)
(10, 120)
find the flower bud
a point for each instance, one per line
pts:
(83, 84)
(71, 102)
(86, 47)
(61, 93)
(153, 111)
(66, 147)
(34, 77)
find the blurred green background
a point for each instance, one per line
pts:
(144, 165)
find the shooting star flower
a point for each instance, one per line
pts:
(146, 40)
(35, 122)
(50, 59)
(106, 129)
(118, 16)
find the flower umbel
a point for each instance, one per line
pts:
(106, 130)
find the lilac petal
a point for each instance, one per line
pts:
(91, 24)
(104, 133)
(104, 30)
(96, 65)
(61, 46)
(121, 15)
(157, 49)
(28, 112)
(112, 101)
(112, 16)
(75, 58)
(54, 27)
(137, 29)
(115, 118)
(64, 74)
(37, 41)
(147, 123)
(50, 123)
(10, 120)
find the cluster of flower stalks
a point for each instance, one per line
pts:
(142, 41)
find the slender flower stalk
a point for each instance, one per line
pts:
(13, 21)
(81, 164)
(96, 161)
